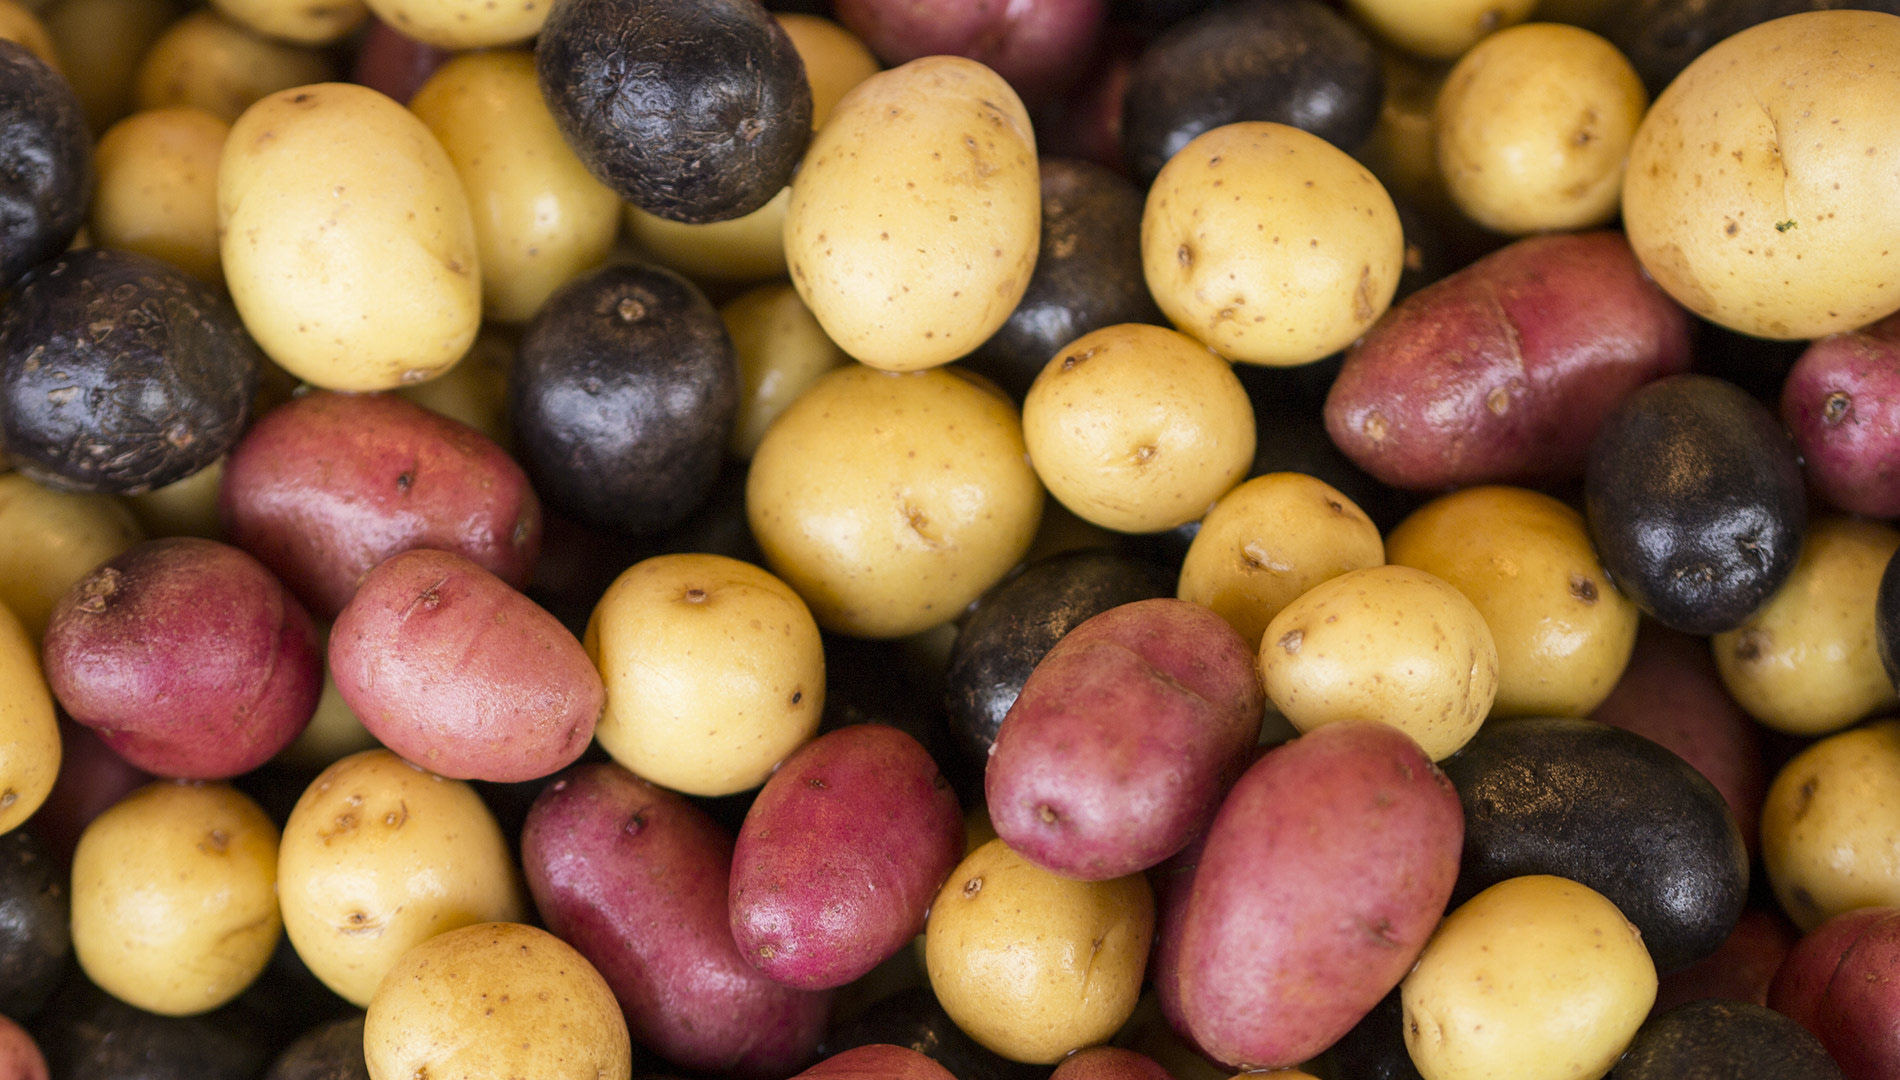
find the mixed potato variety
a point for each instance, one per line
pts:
(1094, 539)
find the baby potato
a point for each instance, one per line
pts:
(297, 20)
(99, 44)
(1442, 30)
(30, 748)
(347, 240)
(210, 62)
(464, 24)
(156, 188)
(1563, 632)
(1269, 244)
(1033, 965)
(1270, 540)
(1830, 830)
(49, 540)
(746, 248)
(1387, 643)
(541, 218)
(714, 672)
(912, 275)
(1760, 185)
(835, 60)
(782, 351)
(174, 897)
(1535, 978)
(1138, 428)
(187, 507)
(1533, 126)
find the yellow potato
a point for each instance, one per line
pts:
(1033, 965)
(49, 540)
(208, 61)
(1830, 830)
(187, 507)
(746, 248)
(99, 44)
(1760, 186)
(782, 351)
(714, 672)
(347, 240)
(475, 390)
(541, 219)
(916, 215)
(1443, 29)
(464, 24)
(156, 191)
(305, 22)
(19, 24)
(1269, 244)
(835, 60)
(174, 897)
(333, 733)
(29, 734)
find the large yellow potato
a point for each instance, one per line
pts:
(29, 735)
(1760, 191)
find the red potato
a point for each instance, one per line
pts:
(1860, 1012)
(1800, 984)
(394, 63)
(20, 1057)
(187, 657)
(636, 878)
(454, 670)
(1841, 403)
(325, 486)
(1109, 1063)
(1324, 873)
(1740, 970)
(1502, 372)
(840, 856)
(1124, 739)
(878, 1061)
(1039, 46)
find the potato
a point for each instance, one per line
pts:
(879, 1061)
(1740, 970)
(207, 61)
(30, 750)
(1138, 428)
(1535, 977)
(1502, 372)
(378, 856)
(912, 277)
(1801, 980)
(463, 24)
(1440, 31)
(494, 1001)
(1040, 46)
(187, 507)
(750, 247)
(1533, 126)
(99, 44)
(713, 670)
(1269, 244)
(304, 24)
(347, 239)
(1113, 1063)
(1524, 560)
(1830, 830)
(19, 24)
(1033, 965)
(1758, 184)
(49, 540)
(835, 60)
(1389, 643)
(1322, 876)
(20, 1056)
(1841, 404)
(174, 897)
(782, 351)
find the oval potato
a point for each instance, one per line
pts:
(30, 748)
(208, 61)
(156, 188)
(1830, 829)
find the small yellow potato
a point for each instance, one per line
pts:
(475, 390)
(29, 732)
(746, 248)
(174, 897)
(1033, 965)
(464, 24)
(916, 215)
(1535, 978)
(1533, 126)
(782, 351)
(1269, 244)
(209, 62)
(1387, 643)
(1138, 428)
(1760, 187)
(1563, 631)
(347, 240)
(99, 44)
(187, 507)
(378, 856)
(156, 191)
(49, 540)
(333, 733)
(714, 672)
(1830, 830)
(1270, 540)
(835, 60)
(305, 22)
(890, 501)
(1443, 29)
(1806, 662)
(541, 219)
(496, 1001)
(19, 24)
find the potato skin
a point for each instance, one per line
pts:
(1124, 739)
(1501, 372)
(1841, 403)
(30, 749)
(879, 1061)
(1830, 828)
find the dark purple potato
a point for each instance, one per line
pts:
(1887, 619)
(121, 373)
(692, 110)
(1842, 405)
(1039, 46)
(1859, 1009)
(912, 1018)
(45, 140)
(1086, 122)
(1725, 1040)
(1661, 37)
(331, 1051)
(623, 395)
(187, 657)
(1801, 981)
(88, 1034)
(34, 940)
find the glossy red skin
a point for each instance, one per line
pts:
(462, 675)
(1860, 1012)
(1325, 872)
(327, 485)
(1553, 330)
(20, 1057)
(1672, 694)
(1128, 732)
(187, 657)
(394, 63)
(1841, 403)
(841, 855)
(1039, 46)
(879, 1061)
(635, 878)
(91, 778)
(1801, 983)
(1738, 971)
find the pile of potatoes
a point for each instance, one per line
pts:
(595, 538)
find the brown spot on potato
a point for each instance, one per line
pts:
(1583, 588)
(1804, 799)
(8, 798)
(1047, 813)
(972, 887)
(1498, 401)
(1374, 426)
(815, 783)
(1836, 407)
(1291, 640)
(694, 595)
(1071, 361)
(630, 309)
(215, 842)
(98, 590)
(1185, 256)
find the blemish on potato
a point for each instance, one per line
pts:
(972, 887)
(1291, 640)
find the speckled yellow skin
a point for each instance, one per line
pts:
(157, 188)
(208, 61)
(1830, 830)
(29, 734)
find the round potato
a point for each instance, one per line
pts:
(49, 540)
(302, 23)
(912, 275)
(208, 61)
(1387, 643)
(30, 749)
(1269, 244)
(1442, 30)
(493, 1001)
(714, 672)
(1033, 965)
(782, 351)
(1830, 830)
(174, 897)
(1563, 632)
(347, 240)
(1533, 126)
(1760, 186)
(156, 190)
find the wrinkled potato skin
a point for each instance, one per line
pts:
(1830, 830)
(49, 540)
(30, 748)
(208, 61)
(156, 191)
